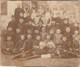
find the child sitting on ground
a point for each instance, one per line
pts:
(8, 46)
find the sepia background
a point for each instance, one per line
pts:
(71, 9)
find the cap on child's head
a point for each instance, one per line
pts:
(29, 36)
(9, 37)
(9, 28)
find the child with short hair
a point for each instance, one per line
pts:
(50, 44)
(43, 33)
(19, 44)
(21, 25)
(36, 33)
(58, 37)
(8, 46)
(76, 41)
(28, 43)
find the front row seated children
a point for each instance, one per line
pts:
(36, 42)
(8, 46)
(50, 44)
(64, 47)
(19, 44)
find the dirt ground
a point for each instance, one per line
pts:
(6, 60)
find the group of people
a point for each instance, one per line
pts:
(40, 32)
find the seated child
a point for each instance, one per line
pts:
(37, 41)
(76, 41)
(10, 31)
(43, 49)
(50, 44)
(36, 33)
(21, 25)
(29, 25)
(68, 34)
(17, 35)
(51, 32)
(28, 43)
(57, 37)
(8, 46)
(19, 44)
(43, 33)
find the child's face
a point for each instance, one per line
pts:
(75, 32)
(21, 20)
(29, 36)
(9, 29)
(18, 30)
(38, 38)
(76, 25)
(64, 38)
(65, 21)
(36, 31)
(29, 31)
(22, 37)
(8, 38)
(51, 31)
(77, 38)
(48, 37)
(67, 29)
(58, 31)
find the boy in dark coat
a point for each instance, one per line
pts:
(12, 24)
(28, 44)
(19, 44)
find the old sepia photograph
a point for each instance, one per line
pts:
(40, 33)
